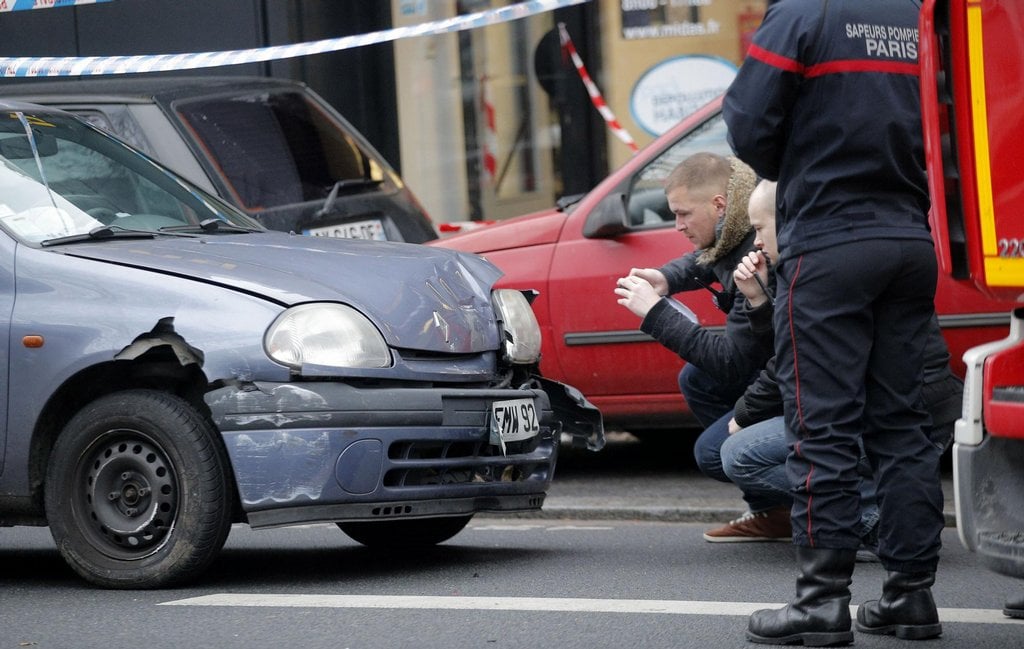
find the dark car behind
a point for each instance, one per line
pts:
(272, 147)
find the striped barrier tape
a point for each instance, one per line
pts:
(490, 139)
(25, 5)
(49, 66)
(592, 90)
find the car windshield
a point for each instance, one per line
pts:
(61, 178)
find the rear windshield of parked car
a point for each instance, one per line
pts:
(275, 149)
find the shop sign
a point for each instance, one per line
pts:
(665, 19)
(676, 87)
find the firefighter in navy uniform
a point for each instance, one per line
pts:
(827, 104)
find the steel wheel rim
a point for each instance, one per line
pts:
(126, 495)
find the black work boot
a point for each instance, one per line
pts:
(820, 614)
(1014, 606)
(905, 610)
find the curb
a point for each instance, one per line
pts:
(659, 514)
(556, 511)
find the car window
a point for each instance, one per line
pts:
(117, 121)
(647, 205)
(69, 179)
(275, 149)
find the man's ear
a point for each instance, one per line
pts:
(719, 201)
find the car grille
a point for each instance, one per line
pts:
(414, 463)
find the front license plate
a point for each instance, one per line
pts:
(369, 229)
(513, 420)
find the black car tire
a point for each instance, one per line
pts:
(137, 491)
(405, 534)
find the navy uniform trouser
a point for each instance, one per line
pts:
(851, 323)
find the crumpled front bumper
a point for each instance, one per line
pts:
(329, 451)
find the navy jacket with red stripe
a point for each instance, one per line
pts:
(827, 103)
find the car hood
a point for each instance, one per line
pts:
(420, 298)
(520, 232)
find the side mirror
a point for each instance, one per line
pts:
(608, 219)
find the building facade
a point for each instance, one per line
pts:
(483, 124)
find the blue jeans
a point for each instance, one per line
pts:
(707, 398)
(707, 450)
(754, 459)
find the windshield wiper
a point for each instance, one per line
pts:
(209, 226)
(346, 184)
(103, 232)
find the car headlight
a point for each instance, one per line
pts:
(521, 331)
(332, 335)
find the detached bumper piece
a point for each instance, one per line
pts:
(580, 418)
(331, 452)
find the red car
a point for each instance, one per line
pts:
(574, 253)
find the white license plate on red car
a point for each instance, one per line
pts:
(368, 229)
(514, 420)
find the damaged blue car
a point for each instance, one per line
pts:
(173, 368)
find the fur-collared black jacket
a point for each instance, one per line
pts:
(737, 354)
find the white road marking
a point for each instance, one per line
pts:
(543, 604)
(500, 527)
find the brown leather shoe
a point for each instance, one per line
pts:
(770, 525)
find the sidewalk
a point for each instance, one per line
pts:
(632, 480)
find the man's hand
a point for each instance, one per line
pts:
(733, 426)
(652, 276)
(636, 294)
(752, 267)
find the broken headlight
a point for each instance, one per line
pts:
(520, 329)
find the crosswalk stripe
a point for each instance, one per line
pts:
(548, 604)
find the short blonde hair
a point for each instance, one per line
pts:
(701, 171)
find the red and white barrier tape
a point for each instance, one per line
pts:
(56, 66)
(592, 90)
(490, 139)
(25, 5)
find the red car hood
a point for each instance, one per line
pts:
(519, 232)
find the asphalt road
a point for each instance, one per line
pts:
(615, 559)
(501, 583)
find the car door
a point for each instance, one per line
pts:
(599, 345)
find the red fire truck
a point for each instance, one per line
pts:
(971, 91)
